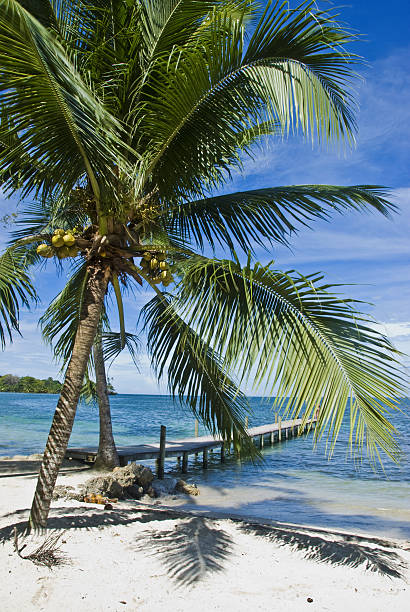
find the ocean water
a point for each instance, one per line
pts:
(295, 483)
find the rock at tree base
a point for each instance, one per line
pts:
(189, 489)
(130, 481)
(133, 474)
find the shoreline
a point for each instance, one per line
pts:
(154, 556)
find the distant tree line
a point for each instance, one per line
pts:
(28, 384)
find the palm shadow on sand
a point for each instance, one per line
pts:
(197, 546)
(375, 554)
(189, 552)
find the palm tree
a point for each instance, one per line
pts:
(137, 111)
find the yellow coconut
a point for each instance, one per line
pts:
(58, 241)
(153, 263)
(69, 240)
(45, 250)
(147, 256)
(163, 265)
(59, 232)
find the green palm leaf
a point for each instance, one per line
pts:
(195, 374)
(263, 216)
(58, 119)
(305, 344)
(210, 91)
(15, 289)
(113, 345)
(60, 321)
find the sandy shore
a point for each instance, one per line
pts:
(151, 557)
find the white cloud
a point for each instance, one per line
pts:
(394, 330)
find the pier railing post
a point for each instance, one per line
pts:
(280, 429)
(161, 458)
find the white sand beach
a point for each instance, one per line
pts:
(150, 557)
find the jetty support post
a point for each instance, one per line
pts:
(261, 441)
(280, 429)
(196, 433)
(184, 462)
(205, 458)
(161, 458)
(222, 452)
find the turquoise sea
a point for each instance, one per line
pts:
(294, 484)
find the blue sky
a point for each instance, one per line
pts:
(367, 251)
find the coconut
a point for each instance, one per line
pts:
(45, 250)
(147, 256)
(69, 240)
(59, 232)
(63, 252)
(163, 265)
(57, 241)
(153, 263)
(164, 275)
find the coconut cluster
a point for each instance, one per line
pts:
(62, 245)
(157, 268)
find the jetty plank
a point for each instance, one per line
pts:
(186, 446)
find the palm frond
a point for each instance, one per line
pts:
(195, 374)
(60, 321)
(292, 335)
(57, 118)
(88, 392)
(45, 215)
(214, 89)
(15, 289)
(113, 346)
(264, 216)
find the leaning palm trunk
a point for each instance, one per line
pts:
(107, 456)
(63, 420)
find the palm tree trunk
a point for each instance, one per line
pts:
(63, 420)
(107, 456)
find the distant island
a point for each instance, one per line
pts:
(29, 384)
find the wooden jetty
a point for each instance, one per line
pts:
(271, 433)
